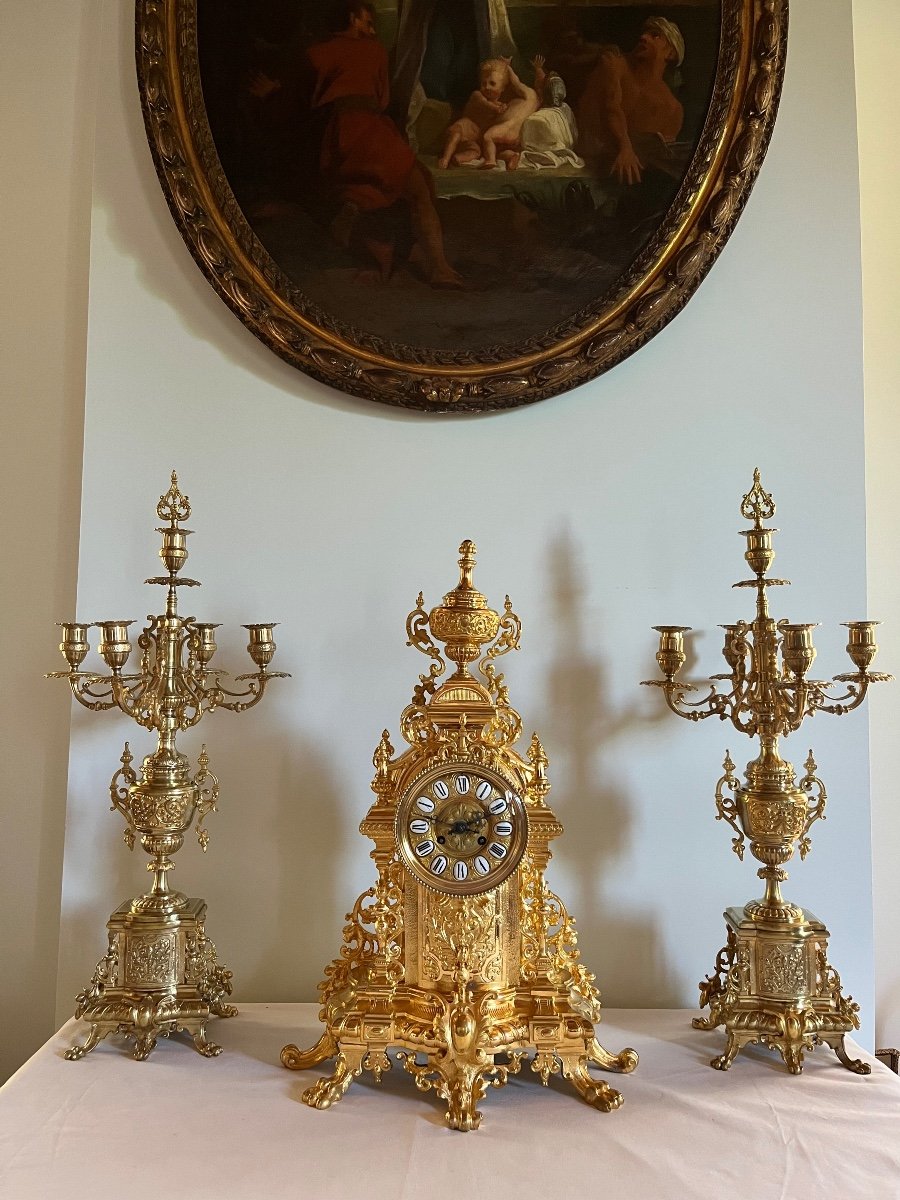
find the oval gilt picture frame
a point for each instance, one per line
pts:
(455, 207)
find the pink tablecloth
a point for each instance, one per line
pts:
(233, 1127)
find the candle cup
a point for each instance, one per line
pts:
(173, 551)
(861, 644)
(205, 641)
(261, 646)
(74, 645)
(759, 553)
(797, 647)
(671, 656)
(114, 644)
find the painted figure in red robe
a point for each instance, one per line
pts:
(365, 161)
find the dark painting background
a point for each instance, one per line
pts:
(531, 261)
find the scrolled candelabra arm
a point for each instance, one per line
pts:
(119, 786)
(671, 658)
(82, 684)
(207, 786)
(726, 805)
(241, 701)
(261, 648)
(816, 801)
(862, 648)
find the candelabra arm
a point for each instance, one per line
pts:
(857, 688)
(207, 786)
(241, 701)
(81, 686)
(713, 704)
(816, 800)
(123, 779)
(130, 699)
(726, 806)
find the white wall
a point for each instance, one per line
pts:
(602, 512)
(46, 133)
(877, 45)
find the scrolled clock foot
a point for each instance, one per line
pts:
(206, 1048)
(623, 1063)
(856, 1065)
(462, 1095)
(296, 1059)
(793, 1059)
(220, 1009)
(463, 1121)
(143, 1046)
(329, 1091)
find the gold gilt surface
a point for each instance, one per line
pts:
(160, 974)
(464, 988)
(772, 982)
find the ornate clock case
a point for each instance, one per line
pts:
(460, 956)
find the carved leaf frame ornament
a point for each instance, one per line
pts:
(650, 292)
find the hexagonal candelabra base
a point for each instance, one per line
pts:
(159, 976)
(773, 984)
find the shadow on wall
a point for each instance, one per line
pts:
(298, 844)
(622, 947)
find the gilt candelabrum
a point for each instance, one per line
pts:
(772, 981)
(160, 973)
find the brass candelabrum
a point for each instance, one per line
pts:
(160, 973)
(772, 981)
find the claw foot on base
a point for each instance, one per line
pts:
(856, 1065)
(329, 1090)
(594, 1091)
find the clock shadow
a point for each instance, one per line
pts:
(623, 947)
(276, 917)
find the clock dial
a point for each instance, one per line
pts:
(461, 828)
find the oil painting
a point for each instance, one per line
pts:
(458, 204)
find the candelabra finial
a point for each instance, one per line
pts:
(757, 506)
(173, 505)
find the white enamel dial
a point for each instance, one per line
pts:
(461, 828)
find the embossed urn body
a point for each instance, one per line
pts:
(772, 983)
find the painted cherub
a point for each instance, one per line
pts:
(491, 124)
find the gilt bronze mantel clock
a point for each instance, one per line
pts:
(160, 973)
(460, 956)
(772, 981)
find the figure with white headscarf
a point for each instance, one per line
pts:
(627, 111)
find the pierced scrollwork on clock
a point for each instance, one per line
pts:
(460, 953)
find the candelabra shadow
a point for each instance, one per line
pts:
(623, 948)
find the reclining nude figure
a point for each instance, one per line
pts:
(490, 127)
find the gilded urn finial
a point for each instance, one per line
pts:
(465, 621)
